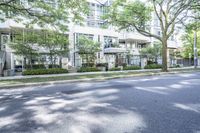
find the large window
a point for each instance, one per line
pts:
(94, 18)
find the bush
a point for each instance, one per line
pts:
(45, 71)
(54, 66)
(88, 65)
(150, 62)
(102, 65)
(153, 66)
(124, 64)
(176, 66)
(88, 69)
(115, 69)
(132, 68)
(35, 66)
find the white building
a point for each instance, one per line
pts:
(130, 42)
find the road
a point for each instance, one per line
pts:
(151, 104)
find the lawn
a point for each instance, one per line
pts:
(97, 76)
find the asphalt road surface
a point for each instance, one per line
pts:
(152, 104)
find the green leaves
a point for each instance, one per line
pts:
(43, 13)
(129, 14)
(87, 46)
(152, 52)
(87, 49)
(188, 40)
(33, 43)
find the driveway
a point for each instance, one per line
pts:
(152, 104)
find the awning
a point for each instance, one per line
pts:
(114, 50)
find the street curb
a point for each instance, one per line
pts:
(17, 86)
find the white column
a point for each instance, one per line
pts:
(12, 65)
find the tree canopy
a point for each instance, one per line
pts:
(136, 15)
(32, 44)
(152, 52)
(57, 12)
(188, 41)
(87, 49)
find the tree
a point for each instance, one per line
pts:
(24, 45)
(56, 13)
(87, 49)
(55, 44)
(136, 15)
(188, 40)
(152, 52)
(29, 44)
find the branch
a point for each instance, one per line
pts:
(147, 34)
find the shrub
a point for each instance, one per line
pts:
(88, 69)
(153, 66)
(88, 65)
(124, 64)
(150, 62)
(35, 66)
(175, 66)
(45, 71)
(102, 65)
(132, 68)
(115, 69)
(54, 66)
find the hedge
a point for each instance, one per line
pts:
(35, 66)
(153, 66)
(175, 66)
(45, 71)
(115, 69)
(102, 65)
(88, 69)
(132, 68)
(54, 66)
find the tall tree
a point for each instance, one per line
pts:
(136, 15)
(188, 41)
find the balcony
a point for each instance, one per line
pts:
(134, 36)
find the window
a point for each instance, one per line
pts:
(109, 41)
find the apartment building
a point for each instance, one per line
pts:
(128, 50)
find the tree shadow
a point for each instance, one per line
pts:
(77, 108)
(160, 104)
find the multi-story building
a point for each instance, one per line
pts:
(128, 50)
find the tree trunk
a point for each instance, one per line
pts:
(164, 56)
(60, 62)
(51, 59)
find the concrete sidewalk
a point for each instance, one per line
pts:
(92, 73)
(138, 73)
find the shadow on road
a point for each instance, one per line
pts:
(156, 104)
